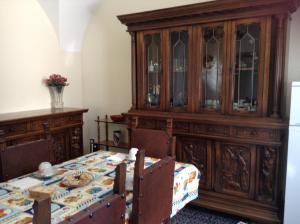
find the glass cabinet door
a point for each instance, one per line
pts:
(212, 67)
(179, 59)
(153, 70)
(246, 67)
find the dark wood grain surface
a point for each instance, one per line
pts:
(65, 126)
(23, 115)
(241, 153)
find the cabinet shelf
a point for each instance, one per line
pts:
(109, 143)
(244, 69)
(113, 122)
(255, 72)
(179, 71)
(154, 72)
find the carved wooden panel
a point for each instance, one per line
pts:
(14, 129)
(198, 153)
(76, 143)
(24, 139)
(258, 133)
(58, 122)
(37, 125)
(210, 129)
(28, 126)
(235, 172)
(60, 141)
(267, 174)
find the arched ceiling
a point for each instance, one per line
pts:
(70, 19)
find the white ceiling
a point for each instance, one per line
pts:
(70, 19)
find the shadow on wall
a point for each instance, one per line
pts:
(106, 62)
(70, 19)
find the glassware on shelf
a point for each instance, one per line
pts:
(156, 66)
(153, 73)
(153, 99)
(151, 67)
(117, 141)
(246, 67)
(179, 63)
(117, 137)
(213, 51)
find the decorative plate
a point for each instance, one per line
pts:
(49, 176)
(77, 180)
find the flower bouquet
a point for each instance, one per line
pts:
(56, 84)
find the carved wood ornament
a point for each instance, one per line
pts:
(64, 125)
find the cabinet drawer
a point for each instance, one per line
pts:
(14, 129)
(210, 129)
(257, 133)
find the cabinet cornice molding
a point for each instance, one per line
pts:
(220, 10)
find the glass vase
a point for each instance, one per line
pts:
(56, 93)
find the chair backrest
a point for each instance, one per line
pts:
(156, 143)
(152, 191)
(42, 210)
(21, 159)
(111, 210)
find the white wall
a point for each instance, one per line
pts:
(106, 58)
(29, 53)
(293, 62)
(100, 75)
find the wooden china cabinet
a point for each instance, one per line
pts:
(216, 70)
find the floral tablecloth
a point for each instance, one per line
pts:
(16, 204)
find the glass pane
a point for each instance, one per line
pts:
(213, 49)
(179, 64)
(246, 67)
(153, 69)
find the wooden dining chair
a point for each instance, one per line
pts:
(152, 191)
(24, 158)
(109, 211)
(156, 143)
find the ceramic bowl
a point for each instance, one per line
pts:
(46, 169)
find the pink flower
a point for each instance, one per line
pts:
(57, 80)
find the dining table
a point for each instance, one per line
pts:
(16, 198)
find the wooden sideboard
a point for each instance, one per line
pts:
(65, 127)
(216, 69)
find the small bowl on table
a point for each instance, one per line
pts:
(46, 170)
